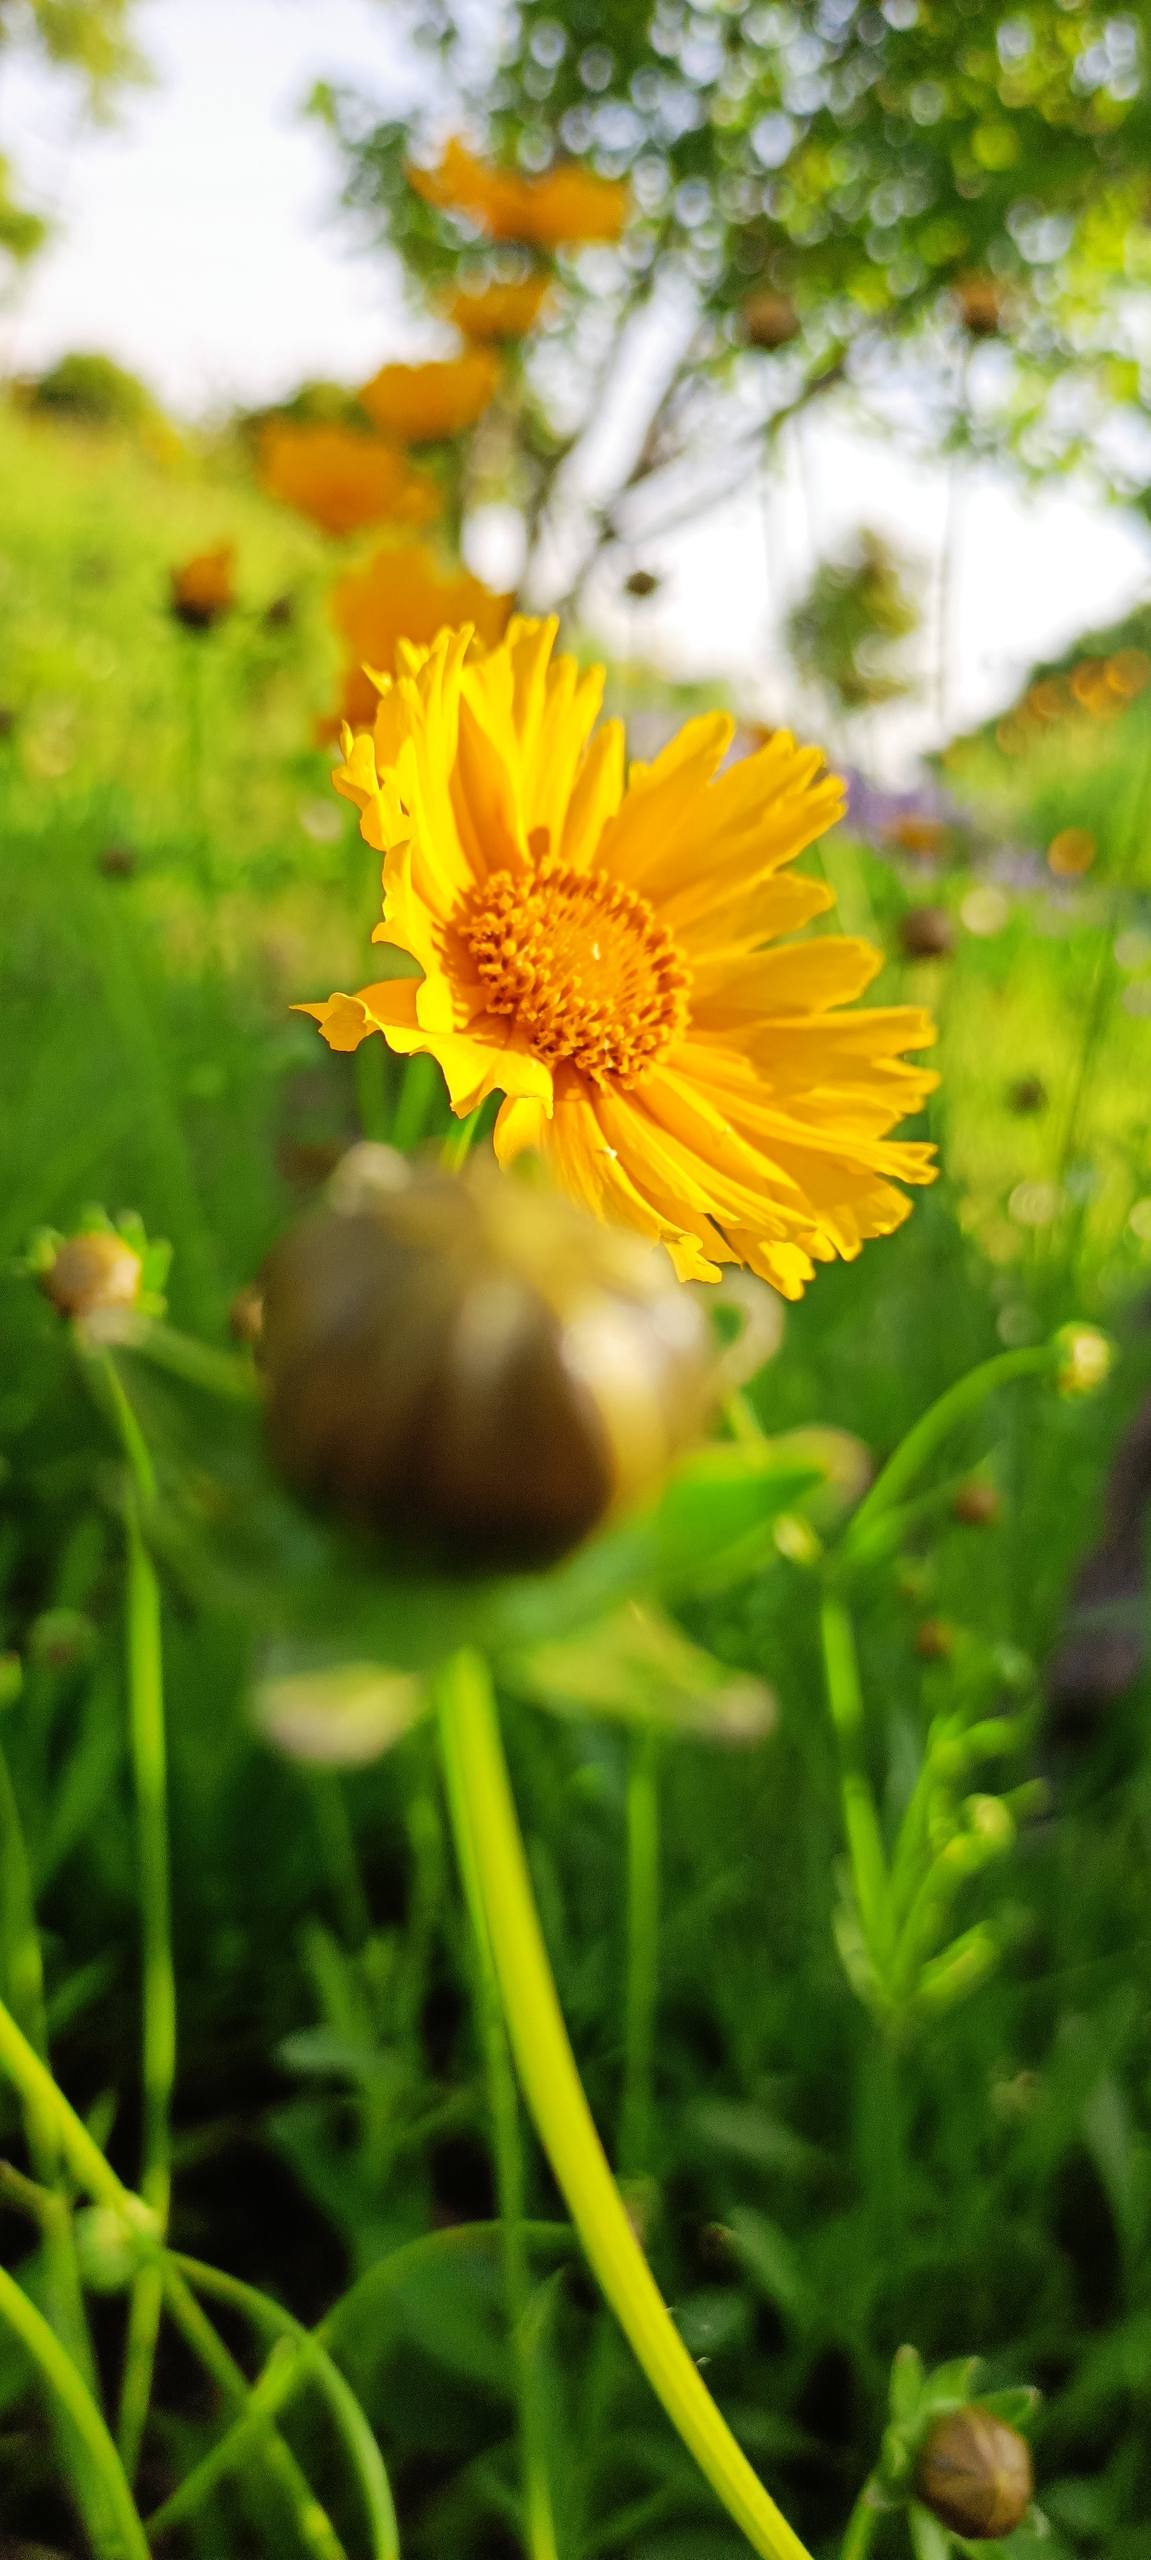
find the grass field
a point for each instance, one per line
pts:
(819, 2178)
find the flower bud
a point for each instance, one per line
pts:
(471, 1362)
(934, 1640)
(1086, 1357)
(91, 1273)
(770, 319)
(927, 933)
(642, 584)
(203, 589)
(976, 1503)
(974, 2473)
(981, 305)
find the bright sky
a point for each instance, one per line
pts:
(199, 243)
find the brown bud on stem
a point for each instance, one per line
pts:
(927, 933)
(474, 1364)
(92, 1273)
(974, 2473)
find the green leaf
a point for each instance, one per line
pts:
(637, 1666)
(906, 2386)
(929, 2540)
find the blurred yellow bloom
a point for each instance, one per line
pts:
(342, 480)
(423, 403)
(492, 312)
(203, 588)
(594, 947)
(566, 204)
(402, 593)
(1071, 853)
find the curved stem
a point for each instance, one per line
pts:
(363, 2451)
(315, 2528)
(145, 1678)
(73, 2397)
(550, 2081)
(861, 2525)
(942, 1417)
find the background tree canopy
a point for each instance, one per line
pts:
(834, 198)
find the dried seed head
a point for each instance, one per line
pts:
(472, 1363)
(91, 1273)
(974, 2473)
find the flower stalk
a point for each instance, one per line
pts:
(488, 1836)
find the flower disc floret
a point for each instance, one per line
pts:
(579, 964)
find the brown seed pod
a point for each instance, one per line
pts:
(90, 1273)
(770, 319)
(1028, 1094)
(934, 1640)
(981, 305)
(642, 584)
(473, 1364)
(974, 2473)
(926, 933)
(976, 1504)
(117, 862)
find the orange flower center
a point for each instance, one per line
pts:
(581, 966)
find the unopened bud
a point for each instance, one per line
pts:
(974, 2473)
(934, 1640)
(927, 933)
(1085, 1359)
(203, 589)
(976, 1504)
(474, 1364)
(770, 319)
(91, 1273)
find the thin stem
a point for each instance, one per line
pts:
(349, 2417)
(338, 1841)
(861, 2525)
(24, 2068)
(507, 2144)
(642, 1985)
(315, 2528)
(147, 1740)
(457, 1148)
(860, 1819)
(924, 1437)
(285, 2373)
(25, 1982)
(70, 2392)
(550, 2081)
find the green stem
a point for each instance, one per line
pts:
(363, 2451)
(315, 2528)
(507, 2144)
(338, 1842)
(71, 2394)
(284, 2374)
(24, 1975)
(98, 2178)
(944, 1416)
(479, 1781)
(642, 1985)
(145, 1671)
(861, 2525)
(864, 1837)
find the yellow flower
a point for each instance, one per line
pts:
(342, 480)
(566, 204)
(605, 952)
(402, 593)
(491, 312)
(203, 589)
(423, 403)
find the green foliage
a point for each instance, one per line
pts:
(845, 633)
(93, 391)
(816, 2188)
